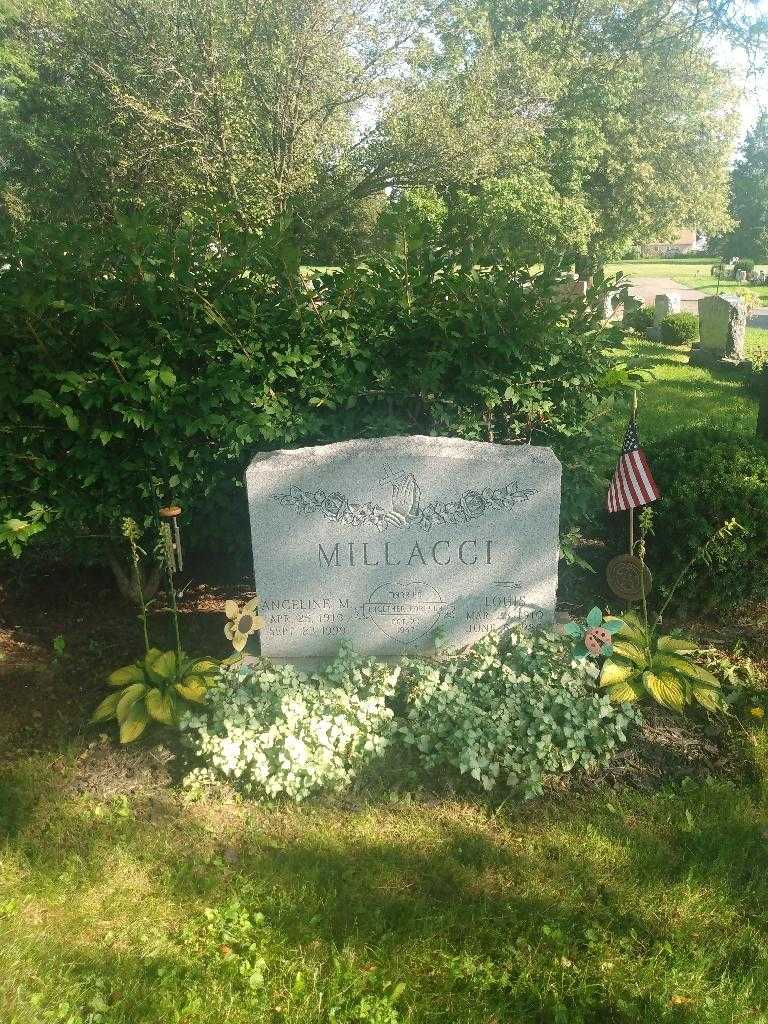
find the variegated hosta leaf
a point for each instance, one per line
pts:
(666, 688)
(129, 697)
(616, 671)
(670, 644)
(108, 708)
(193, 688)
(630, 651)
(134, 723)
(203, 667)
(626, 691)
(162, 669)
(631, 628)
(160, 707)
(126, 675)
(708, 697)
(683, 666)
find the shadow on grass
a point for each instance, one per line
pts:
(477, 914)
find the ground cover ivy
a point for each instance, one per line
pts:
(275, 731)
(511, 710)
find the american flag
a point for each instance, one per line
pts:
(632, 484)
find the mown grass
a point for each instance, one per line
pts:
(617, 907)
(681, 397)
(690, 273)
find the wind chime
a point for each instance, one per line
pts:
(632, 487)
(171, 537)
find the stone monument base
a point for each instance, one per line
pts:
(717, 361)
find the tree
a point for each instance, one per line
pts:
(749, 198)
(637, 121)
(237, 110)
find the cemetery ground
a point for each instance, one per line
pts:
(638, 895)
(690, 273)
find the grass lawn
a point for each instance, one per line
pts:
(617, 907)
(690, 273)
(682, 397)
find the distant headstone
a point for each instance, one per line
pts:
(570, 290)
(664, 305)
(388, 541)
(631, 305)
(722, 331)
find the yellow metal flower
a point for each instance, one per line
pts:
(242, 622)
(757, 712)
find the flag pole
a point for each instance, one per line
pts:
(632, 511)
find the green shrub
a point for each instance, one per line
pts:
(142, 366)
(744, 264)
(510, 712)
(679, 328)
(707, 478)
(642, 320)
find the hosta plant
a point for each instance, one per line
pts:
(644, 663)
(156, 688)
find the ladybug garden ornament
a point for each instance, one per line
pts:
(595, 636)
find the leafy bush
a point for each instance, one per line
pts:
(744, 264)
(707, 478)
(144, 367)
(642, 320)
(679, 328)
(512, 712)
(274, 731)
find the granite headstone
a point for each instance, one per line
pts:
(665, 304)
(386, 542)
(722, 331)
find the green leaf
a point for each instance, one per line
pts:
(161, 668)
(128, 698)
(631, 628)
(687, 668)
(614, 671)
(573, 629)
(613, 625)
(666, 688)
(674, 643)
(707, 697)
(127, 675)
(624, 692)
(160, 707)
(108, 708)
(167, 376)
(193, 688)
(631, 652)
(134, 723)
(594, 618)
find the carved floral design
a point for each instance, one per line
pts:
(406, 509)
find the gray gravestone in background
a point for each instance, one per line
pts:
(385, 541)
(722, 331)
(664, 305)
